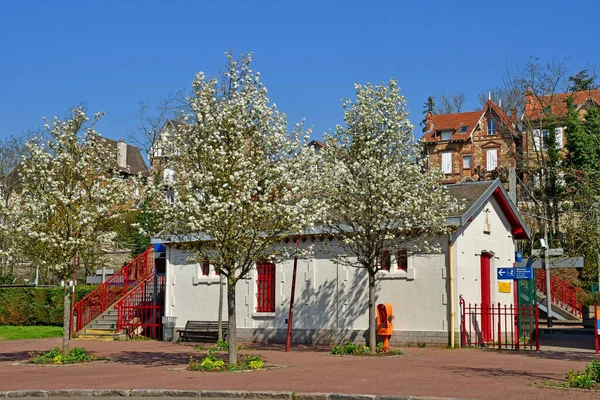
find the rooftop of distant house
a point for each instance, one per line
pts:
(132, 160)
(462, 125)
(556, 104)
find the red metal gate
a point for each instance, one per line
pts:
(512, 327)
(140, 311)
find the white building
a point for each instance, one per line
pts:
(331, 299)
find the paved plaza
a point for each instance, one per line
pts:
(460, 373)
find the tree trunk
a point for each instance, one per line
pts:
(231, 335)
(66, 319)
(372, 316)
(220, 318)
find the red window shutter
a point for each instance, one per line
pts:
(385, 261)
(205, 268)
(402, 259)
(265, 296)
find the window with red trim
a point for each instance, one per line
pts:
(402, 259)
(265, 295)
(205, 268)
(385, 261)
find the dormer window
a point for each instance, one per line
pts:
(491, 126)
(445, 135)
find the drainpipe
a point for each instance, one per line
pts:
(451, 288)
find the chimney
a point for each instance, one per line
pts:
(529, 104)
(428, 122)
(513, 115)
(122, 154)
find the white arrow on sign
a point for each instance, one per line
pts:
(501, 272)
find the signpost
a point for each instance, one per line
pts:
(515, 274)
(559, 262)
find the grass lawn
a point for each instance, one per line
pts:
(8, 332)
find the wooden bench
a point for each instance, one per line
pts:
(197, 331)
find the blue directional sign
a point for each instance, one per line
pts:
(519, 273)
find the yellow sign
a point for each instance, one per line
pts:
(504, 287)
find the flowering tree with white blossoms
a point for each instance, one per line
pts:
(242, 182)
(70, 194)
(378, 198)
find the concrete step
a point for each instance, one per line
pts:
(91, 331)
(86, 336)
(565, 331)
(103, 325)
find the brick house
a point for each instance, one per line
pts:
(472, 144)
(543, 111)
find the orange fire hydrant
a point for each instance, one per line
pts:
(385, 326)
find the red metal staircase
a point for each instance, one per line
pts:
(115, 288)
(564, 295)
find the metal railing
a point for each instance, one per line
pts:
(563, 294)
(140, 311)
(497, 326)
(101, 298)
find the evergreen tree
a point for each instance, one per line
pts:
(582, 81)
(583, 155)
(428, 107)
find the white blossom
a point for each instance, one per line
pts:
(377, 196)
(241, 180)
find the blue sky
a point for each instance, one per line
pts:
(111, 55)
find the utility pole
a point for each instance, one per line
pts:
(547, 269)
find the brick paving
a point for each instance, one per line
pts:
(464, 373)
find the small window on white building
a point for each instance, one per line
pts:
(446, 135)
(491, 159)
(447, 162)
(467, 162)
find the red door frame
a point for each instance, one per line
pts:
(486, 296)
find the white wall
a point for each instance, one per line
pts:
(333, 296)
(329, 295)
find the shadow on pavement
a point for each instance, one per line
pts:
(14, 356)
(496, 373)
(154, 359)
(556, 355)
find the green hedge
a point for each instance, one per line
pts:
(35, 306)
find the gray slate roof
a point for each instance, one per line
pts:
(473, 195)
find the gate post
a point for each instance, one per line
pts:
(463, 333)
(537, 332)
(499, 327)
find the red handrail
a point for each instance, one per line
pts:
(99, 299)
(563, 293)
(140, 310)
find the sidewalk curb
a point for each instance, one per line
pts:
(207, 394)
